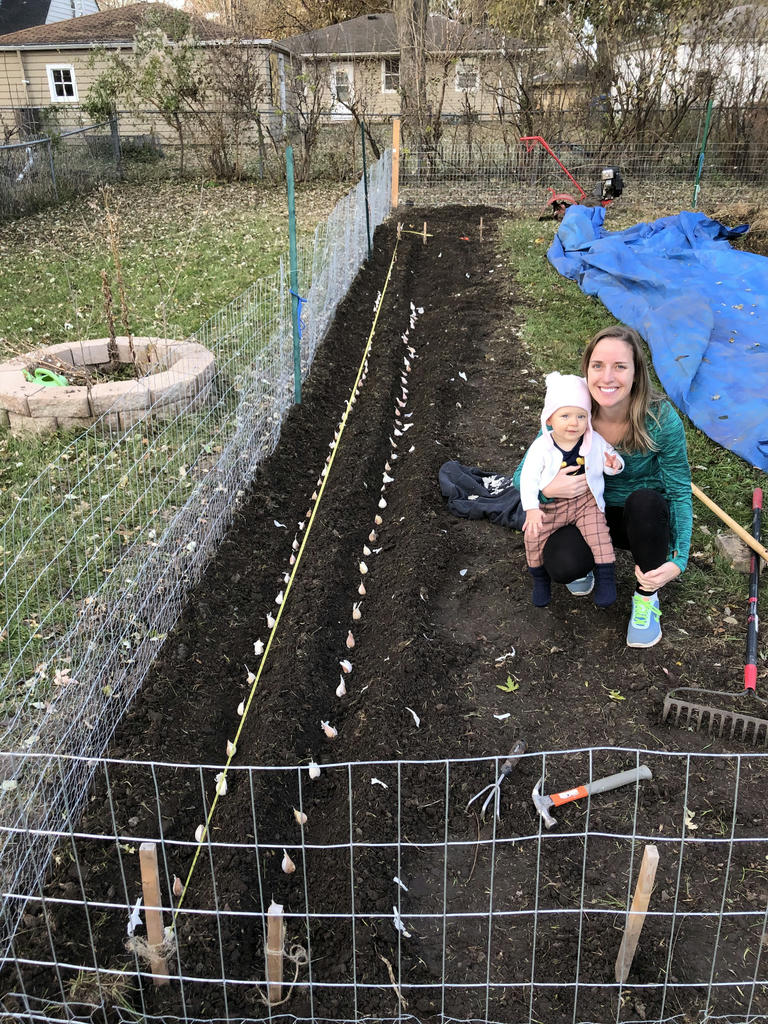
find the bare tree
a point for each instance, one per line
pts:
(411, 21)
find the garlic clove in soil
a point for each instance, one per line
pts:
(300, 816)
(231, 749)
(356, 613)
(270, 620)
(241, 708)
(221, 784)
(387, 479)
(292, 560)
(258, 647)
(372, 536)
(377, 519)
(350, 640)
(363, 568)
(329, 730)
(287, 864)
(199, 833)
(250, 678)
(341, 689)
(295, 544)
(366, 550)
(279, 598)
(382, 502)
(361, 589)
(346, 667)
(178, 886)
(314, 770)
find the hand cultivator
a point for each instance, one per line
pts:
(609, 187)
(494, 789)
(696, 715)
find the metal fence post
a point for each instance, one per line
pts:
(53, 169)
(114, 132)
(293, 252)
(365, 192)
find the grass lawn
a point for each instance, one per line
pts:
(186, 251)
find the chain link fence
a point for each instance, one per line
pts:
(103, 547)
(449, 918)
(51, 169)
(508, 175)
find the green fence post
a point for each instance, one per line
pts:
(293, 252)
(365, 190)
(700, 166)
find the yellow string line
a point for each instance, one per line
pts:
(257, 676)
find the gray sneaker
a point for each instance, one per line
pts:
(582, 587)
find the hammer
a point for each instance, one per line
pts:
(543, 803)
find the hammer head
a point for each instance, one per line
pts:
(542, 804)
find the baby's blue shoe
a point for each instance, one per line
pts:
(583, 586)
(644, 629)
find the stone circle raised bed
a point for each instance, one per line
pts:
(174, 373)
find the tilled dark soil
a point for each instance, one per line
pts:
(446, 623)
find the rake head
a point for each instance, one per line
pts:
(731, 725)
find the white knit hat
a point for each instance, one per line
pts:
(568, 389)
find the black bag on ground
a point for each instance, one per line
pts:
(475, 493)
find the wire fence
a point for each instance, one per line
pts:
(403, 904)
(508, 175)
(50, 169)
(104, 545)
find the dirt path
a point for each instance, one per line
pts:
(445, 599)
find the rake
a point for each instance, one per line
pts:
(732, 725)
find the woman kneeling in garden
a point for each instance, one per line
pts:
(648, 506)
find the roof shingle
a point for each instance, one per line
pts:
(118, 25)
(377, 33)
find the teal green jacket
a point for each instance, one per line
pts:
(665, 470)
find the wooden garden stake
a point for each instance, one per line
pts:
(481, 229)
(637, 912)
(275, 952)
(395, 160)
(425, 232)
(150, 884)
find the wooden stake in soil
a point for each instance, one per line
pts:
(150, 884)
(395, 160)
(481, 229)
(275, 952)
(425, 232)
(636, 916)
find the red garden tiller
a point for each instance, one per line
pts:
(609, 187)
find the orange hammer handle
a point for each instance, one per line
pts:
(558, 799)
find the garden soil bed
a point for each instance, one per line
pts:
(446, 599)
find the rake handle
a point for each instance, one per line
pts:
(748, 539)
(750, 663)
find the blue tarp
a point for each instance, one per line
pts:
(701, 305)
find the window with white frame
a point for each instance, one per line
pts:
(467, 76)
(390, 74)
(61, 82)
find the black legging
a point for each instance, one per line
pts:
(641, 526)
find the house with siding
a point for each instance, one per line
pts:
(356, 64)
(50, 67)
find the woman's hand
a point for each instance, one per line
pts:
(655, 579)
(566, 484)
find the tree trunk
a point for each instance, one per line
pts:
(411, 21)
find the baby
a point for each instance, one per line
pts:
(570, 442)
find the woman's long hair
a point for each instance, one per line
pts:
(644, 401)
